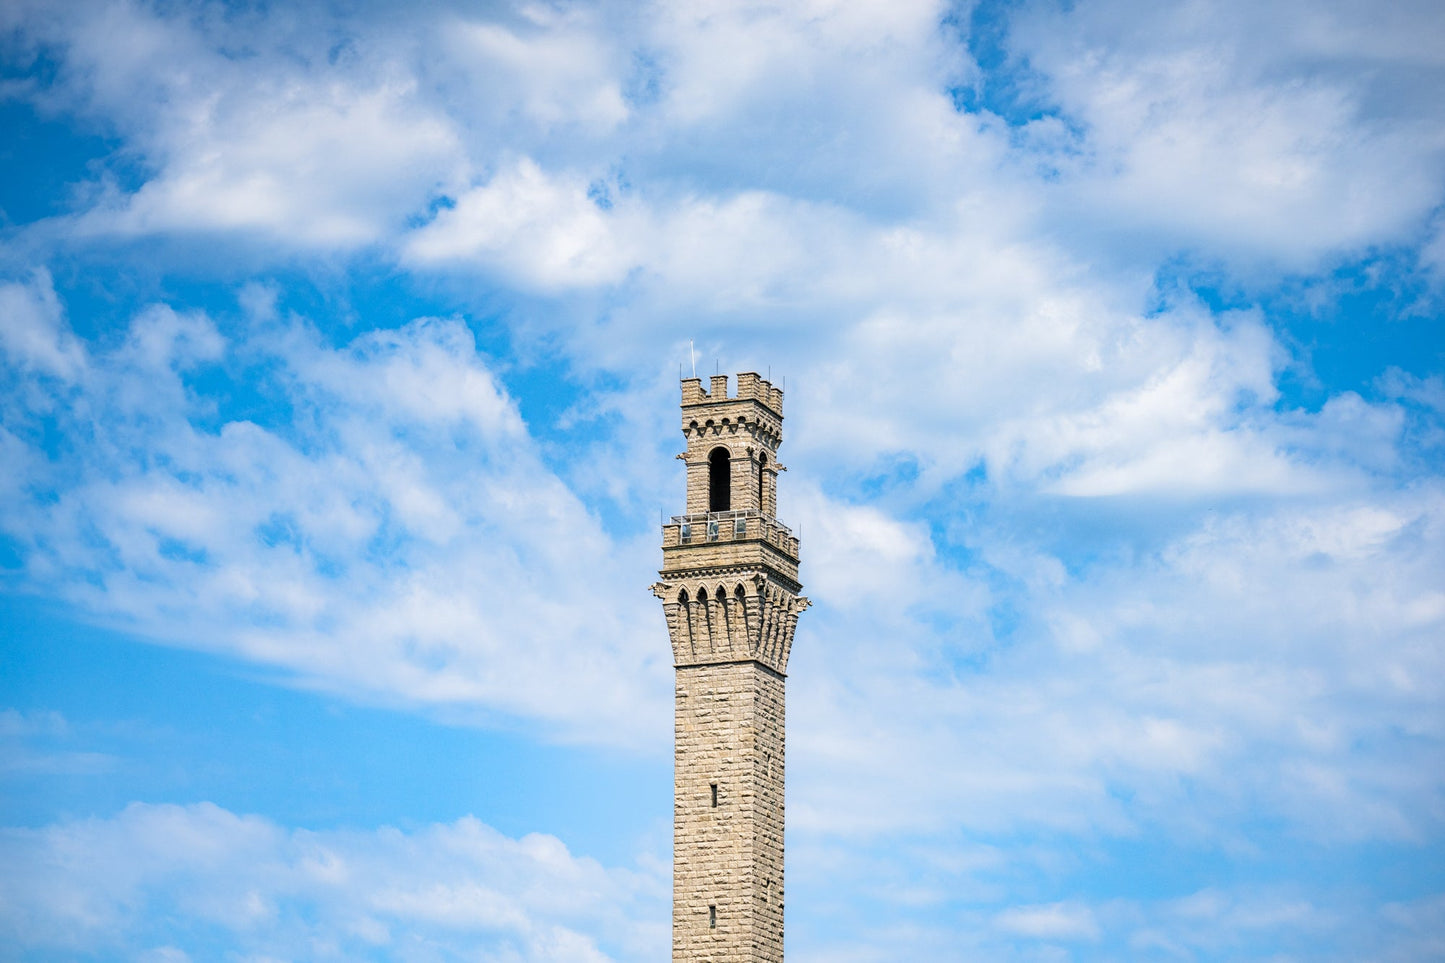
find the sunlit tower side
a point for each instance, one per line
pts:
(729, 590)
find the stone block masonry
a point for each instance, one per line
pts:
(728, 814)
(730, 598)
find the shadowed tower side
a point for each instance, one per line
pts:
(729, 590)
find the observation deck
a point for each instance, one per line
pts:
(733, 526)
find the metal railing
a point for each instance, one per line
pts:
(733, 526)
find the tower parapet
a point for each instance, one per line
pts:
(729, 593)
(751, 387)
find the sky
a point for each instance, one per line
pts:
(339, 359)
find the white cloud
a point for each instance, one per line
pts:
(556, 68)
(281, 140)
(33, 333)
(1112, 583)
(34, 743)
(1056, 921)
(396, 534)
(198, 881)
(1245, 134)
(1275, 657)
(1250, 132)
(325, 168)
(543, 231)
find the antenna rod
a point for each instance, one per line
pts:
(692, 353)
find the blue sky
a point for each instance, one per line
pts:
(338, 358)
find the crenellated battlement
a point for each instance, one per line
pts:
(751, 387)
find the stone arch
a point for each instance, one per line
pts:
(685, 633)
(719, 480)
(727, 618)
(741, 623)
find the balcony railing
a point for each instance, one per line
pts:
(728, 527)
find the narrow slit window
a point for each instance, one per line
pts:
(714, 795)
(762, 471)
(712, 917)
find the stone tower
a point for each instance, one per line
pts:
(729, 590)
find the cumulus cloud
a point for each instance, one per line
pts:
(1245, 132)
(1275, 657)
(541, 230)
(965, 335)
(323, 168)
(272, 142)
(198, 881)
(555, 67)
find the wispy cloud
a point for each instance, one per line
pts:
(397, 535)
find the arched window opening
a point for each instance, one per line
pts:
(682, 597)
(762, 473)
(702, 595)
(739, 594)
(719, 487)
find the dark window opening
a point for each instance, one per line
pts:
(714, 795)
(762, 473)
(712, 917)
(719, 480)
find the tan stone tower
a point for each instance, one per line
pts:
(730, 593)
